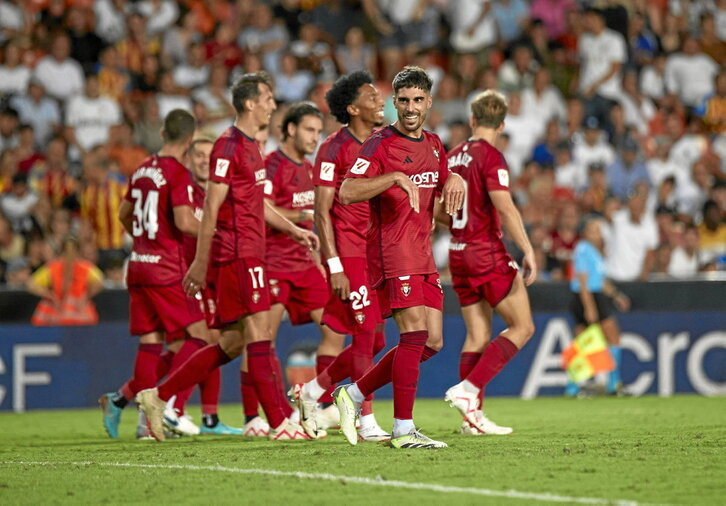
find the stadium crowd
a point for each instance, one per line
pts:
(615, 107)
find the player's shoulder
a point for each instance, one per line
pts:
(432, 137)
(274, 162)
(377, 138)
(336, 143)
(231, 141)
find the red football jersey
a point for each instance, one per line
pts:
(476, 233)
(240, 232)
(158, 186)
(399, 241)
(289, 186)
(335, 156)
(190, 243)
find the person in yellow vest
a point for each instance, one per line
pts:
(66, 286)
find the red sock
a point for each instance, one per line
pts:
(147, 358)
(337, 370)
(361, 361)
(194, 370)
(250, 403)
(209, 390)
(379, 340)
(321, 363)
(405, 372)
(380, 374)
(495, 356)
(162, 369)
(467, 361)
(263, 378)
(280, 383)
(191, 345)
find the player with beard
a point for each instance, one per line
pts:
(352, 307)
(484, 276)
(233, 230)
(401, 169)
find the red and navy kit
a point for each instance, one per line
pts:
(398, 237)
(289, 186)
(477, 255)
(236, 162)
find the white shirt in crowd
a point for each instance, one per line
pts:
(160, 19)
(44, 116)
(637, 115)
(462, 14)
(652, 83)
(628, 244)
(683, 265)
(92, 119)
(659, 169)
(524, 130)
(11, 17)
(110, 22)
(399, 11)
(168, 103)
(545, 106)
(17, 209)
(571, 175)
(61, 80)
(690, 76)
(189, 77)
(597, 55)
(15, 80)
(585, 155)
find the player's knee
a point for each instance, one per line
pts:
(526, 330)
(435, 342)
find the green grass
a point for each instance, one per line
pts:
(649, 450)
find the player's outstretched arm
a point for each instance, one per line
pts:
(512, 222)
(361, 189)
(324, 198)
(294, 215)
(279, 222)
(185, 220)
(197, 274)
(453, 194)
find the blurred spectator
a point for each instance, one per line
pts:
(18, 204)
(223, 48)
(637, 108)
(684, 261)
(90, 117)
(543, 100)
(618, 132)
(12, 244)
(633, 240)
(147, 131)
(512, 16)
(335, 18)
(266, 36)
(171, 96)
(314, 53)
(148, 80)
(12, 20)
(178, 39)
(627, 171)
(124, 150)
(524, 131)
(517, 73)
(60, 75)
(17, 273)
(26, 152)
(713, 107)
(136, 44)
(711, 44)
(693, 192)
(642, 41)
(670, 36)
(563, 239)
(39, 110)
(602, 53)
(217, 97)
(712, 232)
(85, 44)
(9, 124)
(160, 14)
(652, 78)
(594, 196)
(448, 100)
(14, 75)
(553, 15)
(690, 74)
(110, 19)
(593, 149)
(568, 174)
(66, 286)
(195, 71)
(356, 53)
(100, 201)
(473, 26)
(113, 79)
(544, 152)
(50, 177)
(659, 166)
(292, 84)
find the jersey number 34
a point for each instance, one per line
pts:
(146, 218)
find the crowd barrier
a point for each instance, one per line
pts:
(674, 341)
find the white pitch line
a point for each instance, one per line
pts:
(361, 480)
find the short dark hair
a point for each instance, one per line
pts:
(247, 87)
(412, 77)
(179, 125)
(296, 113)
(344, 92)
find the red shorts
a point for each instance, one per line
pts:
(492, 286)
(161, 309)
(300, 292)
(411, 291)
(361, 312)
(242, 289)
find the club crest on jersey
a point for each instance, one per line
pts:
(221, 168)
(327, 171)
(274, 288)
(360, 317)
(406, 289)
(255, 297)
(360, 166)
(436, 153)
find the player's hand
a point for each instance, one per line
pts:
(622, 301)
(306, 238)
(453, 194)
(591, 315)
(529, 268)
(405, 183)
(195, 278)
(340, 284)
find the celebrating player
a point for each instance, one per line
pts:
(353, 306)
(400, 169)
(233, 229)
(296, 279)
(484, 276)
(157, 212)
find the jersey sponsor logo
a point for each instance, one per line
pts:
(425, 179)
(327, 171)
(406, 289)
(360, 166)
(268, 187)
(145, 259)
(408, 160)
(460, 160)
(503, 177)
(154, 173)
(260, 176)
(220, 169)
(457, 246)
(303, 199)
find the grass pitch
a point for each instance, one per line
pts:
(645, 450)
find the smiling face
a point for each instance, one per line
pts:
(263, 106)
(199, 160)
(412, 106)
(369, 105)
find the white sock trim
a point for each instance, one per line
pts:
(355, 393)
(312, 390)
(368, 421)
(470, 387)
(402, 427)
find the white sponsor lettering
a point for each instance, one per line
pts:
(457, 246)
(425, 179)
(327, 171)
(303, 199)
(144, 258)
(153, 173)
(462, 159)
(221, 168)
(22, 378)
(360, 166)
(503, 177)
